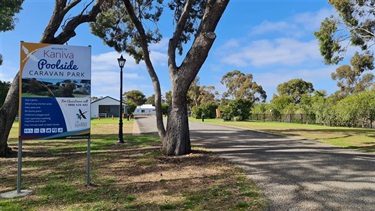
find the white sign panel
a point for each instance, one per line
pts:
(55, 91)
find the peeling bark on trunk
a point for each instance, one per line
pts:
(177, 139)
(8, 113)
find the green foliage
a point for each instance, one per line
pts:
(350, 79)
(196, 13)
(242, 86)
(116, 30)
(168, 97)
(8, 9)
(280, 102)
(198, 95)
(164, 108)
(237, 110)
(295, 89)
(151, 100)
(208, 109)
(327, 43)
(131, 106)
(135, 96)
(354, 25)
(355, 110)
(4, 87)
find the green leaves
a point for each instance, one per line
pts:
(135, 96)
(295, 89)
(8, 8)
(327, 43)
(116, 29)
(242, 86)
(355, 25)
(351, 79)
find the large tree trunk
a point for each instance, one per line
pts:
(8, 113)
(177, 139)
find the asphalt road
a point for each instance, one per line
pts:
(294, 174)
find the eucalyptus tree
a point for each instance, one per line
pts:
(193, 93)
(354, 26)
(295, 89)
(135, 96)
(242, 86)
(59, 30)
(150, 99)
(8, 9)
(350, 78)
(123, 26)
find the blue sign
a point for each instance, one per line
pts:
(55, 87)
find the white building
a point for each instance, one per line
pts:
(106, 107)
(145, 109)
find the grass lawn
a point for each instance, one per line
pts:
(356, 138)
(130, 176)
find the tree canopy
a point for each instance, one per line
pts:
(354, 26)
(8, 9)
(242, 86)
(295, 89)
(135, 96)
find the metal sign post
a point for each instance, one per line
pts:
(88, 162)
(19, 174)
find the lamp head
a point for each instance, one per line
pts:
(121, 61)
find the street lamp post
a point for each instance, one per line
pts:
(121, 62)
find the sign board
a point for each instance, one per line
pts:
(55, 91)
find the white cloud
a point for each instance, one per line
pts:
(311, 20)
(282, 51)
(159, 58)
(271, 27)
(160, 46)
(106, 74)
(108, 61)
(297, 26)
(320, 78)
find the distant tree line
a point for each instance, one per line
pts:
(297, 101)
(353, 105)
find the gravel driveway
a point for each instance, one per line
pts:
(294, 174)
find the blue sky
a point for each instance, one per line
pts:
(271, 39)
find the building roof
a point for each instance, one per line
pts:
(106, 97)
(146, 106)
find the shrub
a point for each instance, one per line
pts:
(208, 109)
(236, 110)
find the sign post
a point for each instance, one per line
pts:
(55, 95)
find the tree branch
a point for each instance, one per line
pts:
(54, 23)
(204, 39)
(150, 67)
(68, 32)
(173, 42)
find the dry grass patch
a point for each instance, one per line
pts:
(131, 176)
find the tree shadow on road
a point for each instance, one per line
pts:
(297, 172)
